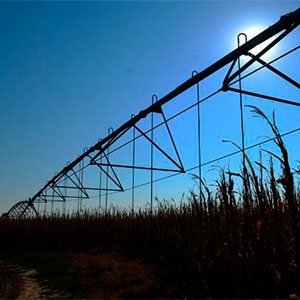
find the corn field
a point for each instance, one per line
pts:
(229, 242)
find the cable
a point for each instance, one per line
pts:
(183, 111)
(196, 103)
(208, 162)
(269, 63)
(155, 127)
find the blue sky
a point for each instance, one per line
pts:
(70, 70)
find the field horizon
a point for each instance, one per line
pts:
(231, 243)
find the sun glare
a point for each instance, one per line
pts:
(253, 31)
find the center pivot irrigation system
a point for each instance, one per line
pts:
(71, 177)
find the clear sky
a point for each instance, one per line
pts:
(70, 70)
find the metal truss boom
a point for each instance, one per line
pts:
(284, 26)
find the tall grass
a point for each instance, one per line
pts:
(234, 243)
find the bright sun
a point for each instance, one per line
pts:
(253, 31)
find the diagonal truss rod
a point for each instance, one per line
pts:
(274, 70)
(207, 97)
(245, 51)
(284, 26)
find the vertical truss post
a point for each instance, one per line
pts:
(154, 99)
(45, 207)
(46, 191)
(82, 178)
(133, 169)
(33, 208)
(110, 131)
(100, 184)
(199, 137)
(80, 191)
(65, 193)
(52, 202)
(78, 194)
(38, 209)
(241, 97)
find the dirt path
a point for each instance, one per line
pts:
(16, 283)
(10, 283)
(30, 287)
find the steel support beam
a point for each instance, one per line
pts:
(284, 26)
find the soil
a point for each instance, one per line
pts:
(16, 283)
(30, 287)
(10, 283)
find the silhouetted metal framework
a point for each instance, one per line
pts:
(71, 177)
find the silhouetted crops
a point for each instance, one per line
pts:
(229, 243)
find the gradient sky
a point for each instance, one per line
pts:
(70, 70)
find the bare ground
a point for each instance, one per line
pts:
(10, 283)
(18, 284)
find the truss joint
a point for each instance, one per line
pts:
(225, 86)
